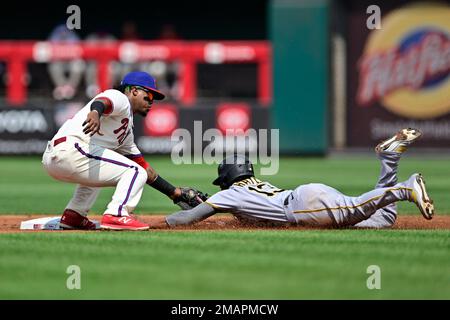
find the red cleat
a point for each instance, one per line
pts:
(111, 222)
(74, 221)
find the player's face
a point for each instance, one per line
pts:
(142, 100)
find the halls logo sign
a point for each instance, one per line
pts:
(406, 65)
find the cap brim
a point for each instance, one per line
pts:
(157, 95)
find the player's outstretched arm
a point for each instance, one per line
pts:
(187, 217)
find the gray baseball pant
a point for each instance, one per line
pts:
(319, 205)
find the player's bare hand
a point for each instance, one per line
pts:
(92, 124)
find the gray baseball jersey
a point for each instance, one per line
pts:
(252, 198)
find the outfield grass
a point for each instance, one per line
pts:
(259, 264)
(26, 188)
(226, 265)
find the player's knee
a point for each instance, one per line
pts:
(141, 175)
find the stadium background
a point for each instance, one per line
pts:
(270, 64)
(291, 65)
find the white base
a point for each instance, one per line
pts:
(47, 223)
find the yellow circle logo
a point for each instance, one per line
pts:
(406, 64)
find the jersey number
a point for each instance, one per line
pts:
(265, 189)
(122, 130)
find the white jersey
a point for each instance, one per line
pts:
(116, 124)
(252, 198)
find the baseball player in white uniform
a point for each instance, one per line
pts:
(96, 149)
(314, 205)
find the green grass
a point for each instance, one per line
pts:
(26, 188)
(285, 264)
(226, 265)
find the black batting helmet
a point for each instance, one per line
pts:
(232, 169)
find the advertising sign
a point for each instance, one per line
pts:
(25, 130)
(400, 76)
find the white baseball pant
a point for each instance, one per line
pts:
(91, 167)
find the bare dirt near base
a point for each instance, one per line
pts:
(11, 223)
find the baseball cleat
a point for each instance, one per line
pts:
(72, 220)
(399, 142)
(110, 222)
(420, 196)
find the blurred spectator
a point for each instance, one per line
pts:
(164, 72)
(91, 77)
(129, 31)
(168, 32)
(66, 75)
(100, 36)
(167, 73)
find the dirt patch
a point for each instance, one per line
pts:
(11, 223)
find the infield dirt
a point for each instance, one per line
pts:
(11, 223)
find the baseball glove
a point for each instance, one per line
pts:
(190, 198)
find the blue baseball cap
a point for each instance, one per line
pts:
(142, 79)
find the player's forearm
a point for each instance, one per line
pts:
(156, 181)
(98, 106)
(187, 217)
